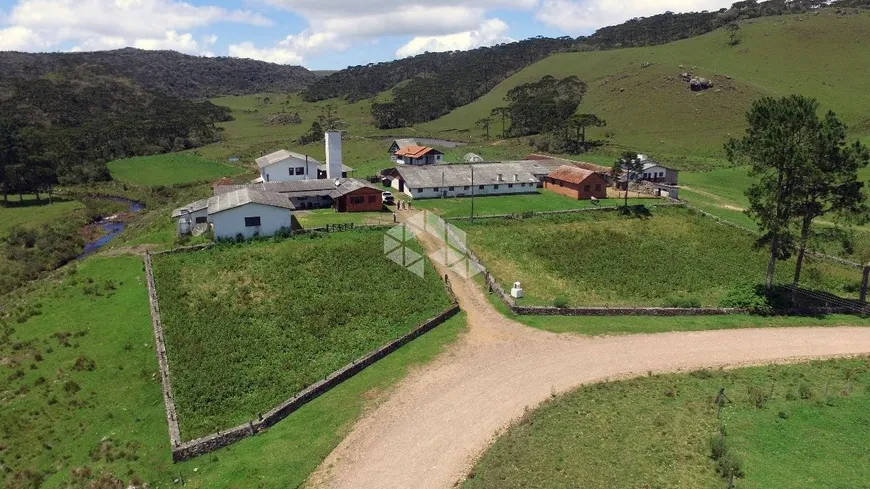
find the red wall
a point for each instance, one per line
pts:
(372, 200)
(578, 190)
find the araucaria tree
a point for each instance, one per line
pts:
(628, 165)
(580, 122)
(780, 145)
(830, 183)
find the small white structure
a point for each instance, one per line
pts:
(472, 158)
(283, 165)
(334, 168)
(244, 211)
(517, 291)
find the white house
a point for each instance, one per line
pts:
(418, 155)
(399, 144)
(246, 211)
(426, 182)
(283, 165)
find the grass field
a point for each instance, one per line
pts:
(513, 204)
(170, 169)
(114, 423)
(656, 432)
(605, 259)
(247, 326)
(321, 217)
(31, 212)
(651, 110)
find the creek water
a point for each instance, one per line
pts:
(110, 225)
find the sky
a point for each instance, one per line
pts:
(317, 34)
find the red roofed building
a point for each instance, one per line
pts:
(577, 183)
(418, 155)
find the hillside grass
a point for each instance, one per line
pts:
(115, 423)
(33, 213)
(606, 259)
(247, 326)
(651, 110)
(542, 200)
(656, 432)
(170, 169)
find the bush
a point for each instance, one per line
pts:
(757, 397)
(730, 465)
(746, 296)
(805, 391)
(718, 446)
(85, 364)
(560, 301)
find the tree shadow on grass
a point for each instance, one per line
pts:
(14, 203)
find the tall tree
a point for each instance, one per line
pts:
(580, 122)
(830, 182)
(484, 124)
(503, 112)
(778, 145)
(627, 165)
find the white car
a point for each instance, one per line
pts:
(388, 198)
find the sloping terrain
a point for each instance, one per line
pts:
(168, 72)
(648, 107)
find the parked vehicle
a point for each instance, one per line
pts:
(388, 198)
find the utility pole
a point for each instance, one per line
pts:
(443, 191)
(472, 193)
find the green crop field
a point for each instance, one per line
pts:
(542, 200)
(247, 326)
(81, 400)
(799, 426)
(170, 169)
(651, 110)
(605, 259)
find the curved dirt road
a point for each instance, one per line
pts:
(429, 430)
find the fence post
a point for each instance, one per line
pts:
(864, 281)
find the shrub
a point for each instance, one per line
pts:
(718, 446)
(730, 465)
(757, 397)
(746, 296)
(560, 301)
(805, 391)
(85, 364)
(71, 386)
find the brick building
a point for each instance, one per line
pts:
(577, 183)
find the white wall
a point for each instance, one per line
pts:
(280, 171)
(504, 188)
(229, 223)
(192, 216)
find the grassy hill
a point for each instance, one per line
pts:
(651, 109)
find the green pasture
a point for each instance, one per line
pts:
(170, 169)
(800, 426)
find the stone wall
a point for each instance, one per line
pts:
(193, 448)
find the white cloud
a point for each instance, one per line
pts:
(104, 24)
(17, 38)
(490, 32)
(277, 54)
(584, 16)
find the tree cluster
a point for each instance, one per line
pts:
(167, 72)
(65, 128)
(803, 169)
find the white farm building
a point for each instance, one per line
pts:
(463, 180)
(289, 166)
(245, 212)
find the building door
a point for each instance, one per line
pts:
(401, 185)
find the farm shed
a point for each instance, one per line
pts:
(418, 155)
(342, 193)
(248, 212)
(426, 182)
(399, 144)
(283, 165)
(191, 215)
(577, 183)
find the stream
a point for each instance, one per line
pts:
(111, 225)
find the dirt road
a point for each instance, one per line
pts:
(431, 427)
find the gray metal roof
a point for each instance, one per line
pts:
(247, 195)
(192, 207)
(281, 155)
(404, 142)
(303, 188)
(484, 174)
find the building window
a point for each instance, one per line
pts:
(510, 185)
(495, 187)
(358, 199)
(450, 189)
(300, 170)
(465, 187)
(201, 219)
(372, 199)
(481, 187)
(252, 221)
(435, 189)
(586, 188)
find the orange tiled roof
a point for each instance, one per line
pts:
(571, 174)
(413, 151)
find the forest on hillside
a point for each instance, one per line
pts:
(66, 127)
(168, 72)
(436, 83)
